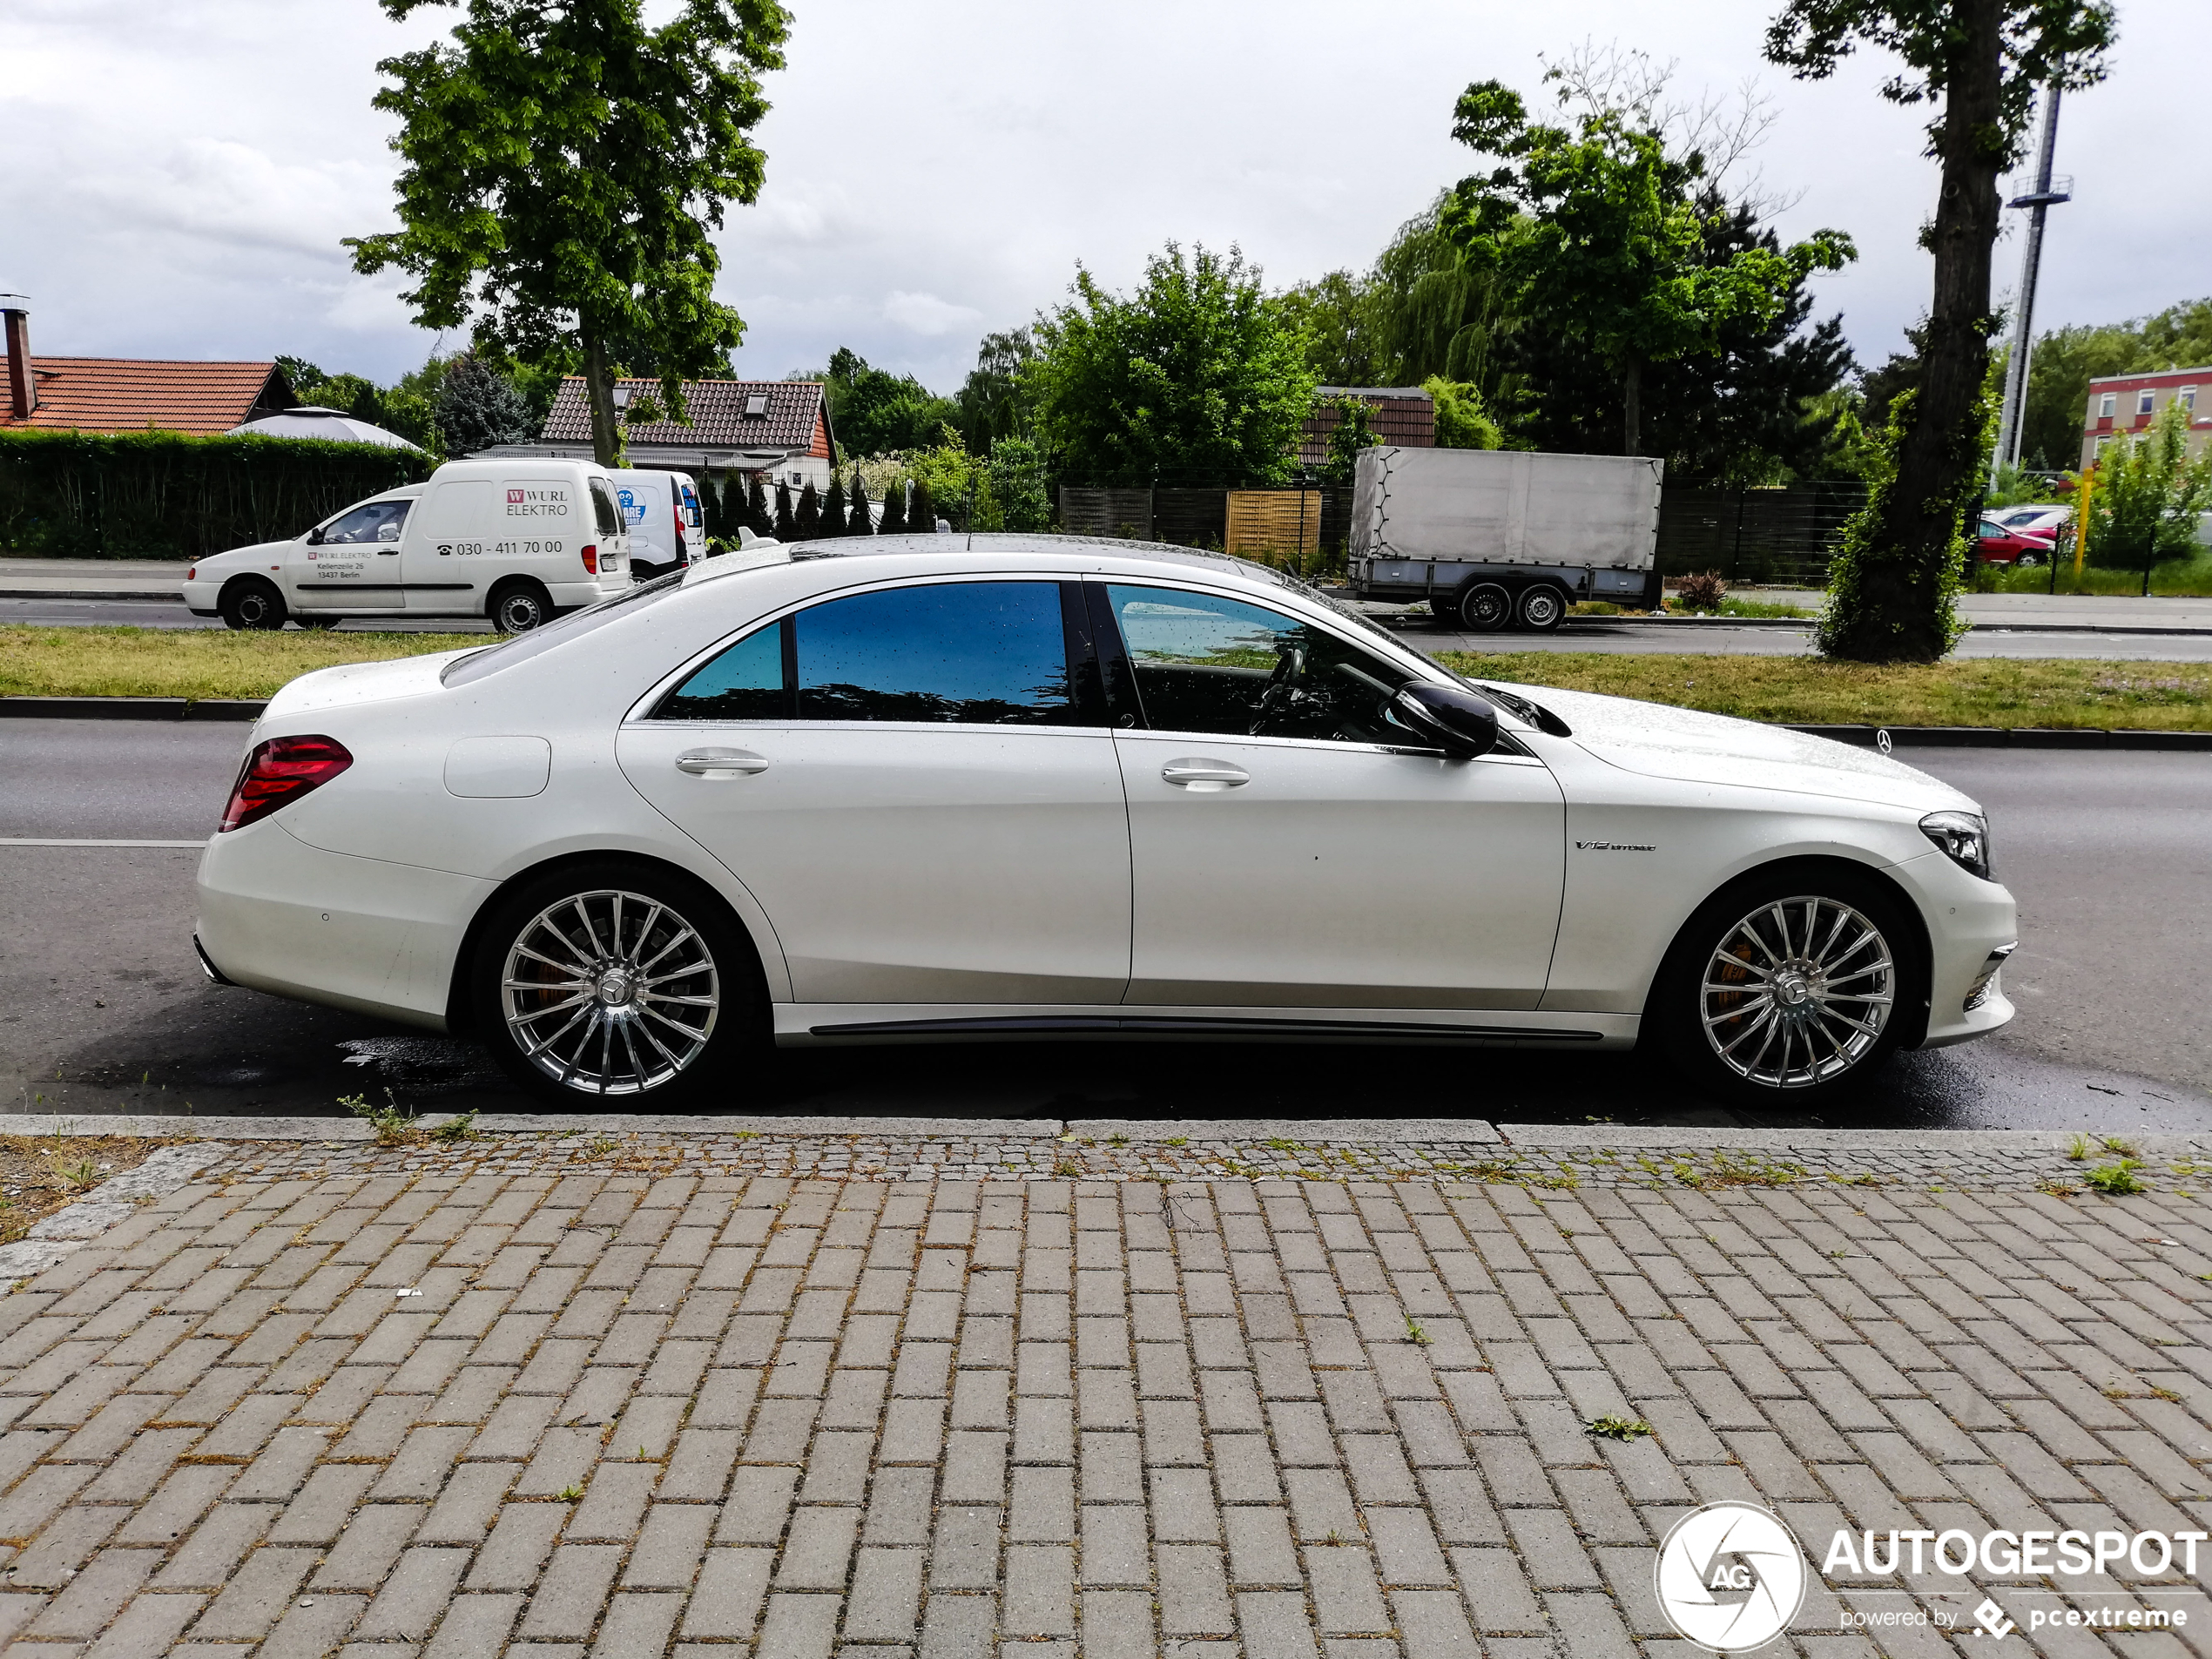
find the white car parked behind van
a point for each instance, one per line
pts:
(661, 512)
(517, 541)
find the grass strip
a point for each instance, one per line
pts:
(188, 662)
(1806, 690)
(2006, 691)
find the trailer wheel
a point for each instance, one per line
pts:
(1481, 608)
(1542, 608)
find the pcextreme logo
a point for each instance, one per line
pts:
(1729, 1576)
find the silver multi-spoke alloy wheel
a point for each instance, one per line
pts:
(609, 993)
(1797, 992)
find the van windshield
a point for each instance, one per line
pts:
(523, 647)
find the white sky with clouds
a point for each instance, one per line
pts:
(177, 176)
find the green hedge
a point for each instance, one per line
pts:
(170, 495)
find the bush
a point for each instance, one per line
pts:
(172, 496)
(786, 529)
(894, 509)
(922, 512)
(477, 407)
(1460, 421)
(834, 513)
(1703, 591)
(858, 522)
(1016, 474)
(2146, 497)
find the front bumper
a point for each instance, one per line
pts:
(1968, 921)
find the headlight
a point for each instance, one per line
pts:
(1964, 838)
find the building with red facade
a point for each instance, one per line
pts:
(2122, 403)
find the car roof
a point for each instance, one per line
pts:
(1102, 554)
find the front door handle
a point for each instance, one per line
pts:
(1207, 776)
(721, 763)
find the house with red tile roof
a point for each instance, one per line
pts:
(1405, 415)
(130, 394)
(778, 428)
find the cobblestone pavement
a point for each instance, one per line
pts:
(399, 1410)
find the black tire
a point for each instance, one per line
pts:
(519, 605)
(644, 1060)
(1824, 1028)
(1542, 607)
(248, 602)
(1480, 608)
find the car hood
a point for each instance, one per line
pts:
(1659, 741)
(352, 684)
(238, 558)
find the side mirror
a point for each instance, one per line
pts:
(1460, 723)
(314, 536)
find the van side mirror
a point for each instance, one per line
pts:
(1460, 723)
(314, 536)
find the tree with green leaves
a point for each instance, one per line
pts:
(1016, 474)
(2065, 360)
(995, 402)
(874, 412)
(2143, 508)
(1196, 378)
(785, 527)
(807, 521)
(1595, 231)
(756, 516)
(477, 407)
(1354, 431)
(1981, 61)
(894, 509)
(1461, 421)
(922, 512)
(859, 522)
(833, 513)
(564, 166)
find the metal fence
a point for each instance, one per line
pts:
(1783, 536)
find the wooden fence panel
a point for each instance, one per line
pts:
(1275, 521)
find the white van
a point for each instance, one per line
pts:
(661, 511)
(517, 541)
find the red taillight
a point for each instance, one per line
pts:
(192, 575)
(280, 771)
(591, 561)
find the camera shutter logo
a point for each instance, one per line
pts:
(1729, 1576)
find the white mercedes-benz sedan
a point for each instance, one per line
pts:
(1031, 786)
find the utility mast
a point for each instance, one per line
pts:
(2047, 191)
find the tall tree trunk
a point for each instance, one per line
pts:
(598, 391)
(1900, 612)
(1632, 407)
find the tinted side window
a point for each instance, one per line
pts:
(990, 653)
(1206, 663)
(603, 505)
(744, 683)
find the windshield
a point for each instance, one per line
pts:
(523, 647)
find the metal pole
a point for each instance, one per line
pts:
(2010, 421)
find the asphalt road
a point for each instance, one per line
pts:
(163, 613)
(103, 1007)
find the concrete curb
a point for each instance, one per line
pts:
(114, 1200)
(1356, 1131)
(352, 1128)
(1612, 1138)
(133, 708)
(170, 594)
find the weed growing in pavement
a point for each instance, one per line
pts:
(2117, 1143)
(1417, 1332)
(79, 1175)
(1726, 1172)
(1067, 1167)
(1612, 1427)
(1279, 1144)
(462, 1128)
(602, 1145)
(1117, 1140)
(1177, 1140)
(2078, 1148)
(569, 1493)
(393, 1123)
(2051, 1187)
(2117, 1180)
(1864, 1178)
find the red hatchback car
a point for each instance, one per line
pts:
(1998, 545)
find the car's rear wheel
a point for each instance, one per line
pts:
(618, 982)
(251, 602)
(519, 606)
(1788, 989)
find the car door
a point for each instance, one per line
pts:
(917, 784)
(1292, 848)
(451, 556)
(352, 564)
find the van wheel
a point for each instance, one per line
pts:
(252, 603)
(517, 607)
(1542, 608)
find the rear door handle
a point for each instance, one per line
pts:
(1197, 772)
(720, 763)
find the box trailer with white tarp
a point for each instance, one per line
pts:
(1501, 538)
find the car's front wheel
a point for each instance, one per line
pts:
(1788, 989)
(252, 603)
(618, 982)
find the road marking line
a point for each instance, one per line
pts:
(28, 840)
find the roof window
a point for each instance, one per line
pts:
(756, 406)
